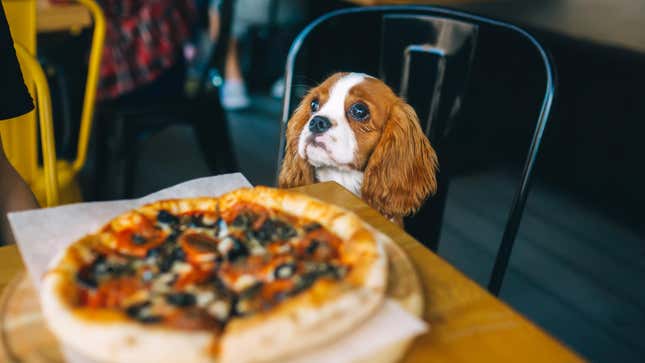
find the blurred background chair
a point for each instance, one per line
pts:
(125, 123)
(45, 181)
(21, 15)
(20, 135)
(425, 54)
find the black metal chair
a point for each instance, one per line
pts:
(123, 126)
(425, 54)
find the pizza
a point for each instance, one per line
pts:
(255, 275)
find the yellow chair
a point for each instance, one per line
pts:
(21, 15)
(37, 83)
(20, 134)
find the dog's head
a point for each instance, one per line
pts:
(355, 122)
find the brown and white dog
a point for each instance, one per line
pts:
(354, 130)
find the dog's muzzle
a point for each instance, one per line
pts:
(319, 124)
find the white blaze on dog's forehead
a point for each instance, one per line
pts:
(334, 108)
(340, 139)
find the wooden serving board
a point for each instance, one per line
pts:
(26, 339)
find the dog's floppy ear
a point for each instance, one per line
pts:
(401, 172)
(295, 170)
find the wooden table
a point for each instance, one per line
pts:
(467, 324)
(61, 17)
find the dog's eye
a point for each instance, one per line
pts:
(314, 105)
(359, 111)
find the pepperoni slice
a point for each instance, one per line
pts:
(139, 238)
(319, 245)
(111, 293)
(192, 319)
(255, 211)
(193, 277)
(199, 248)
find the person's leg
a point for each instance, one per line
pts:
(233, 72)
(234, 95)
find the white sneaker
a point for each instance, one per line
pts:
(234, 96)
(277, 90)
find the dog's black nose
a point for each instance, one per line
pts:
(319, 124)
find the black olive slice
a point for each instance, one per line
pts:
(138, 239)
(154, 253)
(135, 310)
(238, 250)
(165, 264)
(251, 291)
(266, 233)
(284, 231)
(181, 299)
(310, 227)
(244, 219)
(196, 221)
(166, 218)
(119, 269)
(86, 278)
(178, 254)
(313, 246)
(172, 237)
(152, 319)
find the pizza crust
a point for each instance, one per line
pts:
(287, 330)
(108, 336)
(316, 316)
(121, 341)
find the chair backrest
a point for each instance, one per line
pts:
(91, 83)
(426, 60)
(20, 134)
(437, 46)
(32, 70)
(21, 15)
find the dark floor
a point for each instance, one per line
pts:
(574, 271)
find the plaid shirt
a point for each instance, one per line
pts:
(143, 38)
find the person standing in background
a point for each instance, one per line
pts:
(143, 63)
(143, 52)
(249, 13)
(15, 100)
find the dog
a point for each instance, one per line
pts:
(353, 129)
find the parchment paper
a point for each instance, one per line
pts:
(41, 234)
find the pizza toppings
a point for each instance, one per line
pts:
(208, 278)
(198, 270)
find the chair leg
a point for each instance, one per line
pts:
(425, 225)
(211, 129)
(131, 157)
(102, 133)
